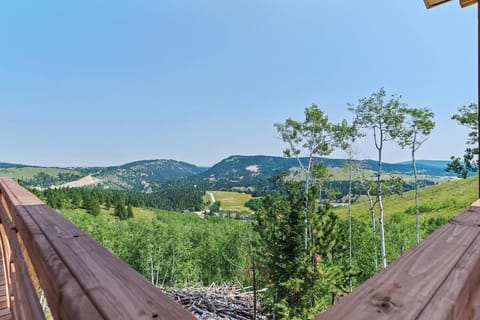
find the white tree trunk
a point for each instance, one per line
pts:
(380, 204)
(417, 207)
(374, 231)
(350, 219)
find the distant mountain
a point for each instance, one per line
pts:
(236, 172)
(10, 165)
(238, 168)
(145, 175)
(438, 164)
(255, 172)
(433, 168)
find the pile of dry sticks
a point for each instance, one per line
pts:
(218, 302)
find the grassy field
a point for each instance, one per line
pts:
(29, 172)
(341, 174)
(230, 201)
(447, 200)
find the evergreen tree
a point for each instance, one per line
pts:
(75, 197)
(108, 202)
(129, 212)
(315, 136)
(93, 206)
(120, 210)
(215, 207)
(301, 282)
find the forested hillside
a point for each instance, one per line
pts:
(146, 176)
(92, 200)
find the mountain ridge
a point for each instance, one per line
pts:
(236, 172)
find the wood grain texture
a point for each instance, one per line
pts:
(4, 293)
(26, 304)
(437, 279)
(81, 279)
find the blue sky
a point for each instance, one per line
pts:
(108, 82)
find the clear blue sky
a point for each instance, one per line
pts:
(108, 82)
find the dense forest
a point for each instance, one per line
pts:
(172, 249)
(180, 199)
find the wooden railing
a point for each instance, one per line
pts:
(46, 254)
(438, 279)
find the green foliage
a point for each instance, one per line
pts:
(315, 134)
(394, 185)
(120, 210)
(129, 212)
(254, 204)
(53, 199)
(90, 202)
(40, 176)
(384, 116)
(173, 249)
(215, 207)
(146, 175)
(467, 116)
(94, 207)
(169, 199)
(417, 127)
(422, 209)
(301, 283)
(432, 224)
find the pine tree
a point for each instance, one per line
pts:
(300, 280)
(129, 212)
(94, 206)
(120, 210)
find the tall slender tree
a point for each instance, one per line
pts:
(368, 186)
(346, 135)
(417, 127)
(311, 138)
(383, 116)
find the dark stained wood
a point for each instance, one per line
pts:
(5, 252)
(4, 292)
(437, 279)
(80, 278)
(26, 304)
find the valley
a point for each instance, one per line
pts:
(230, 201)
